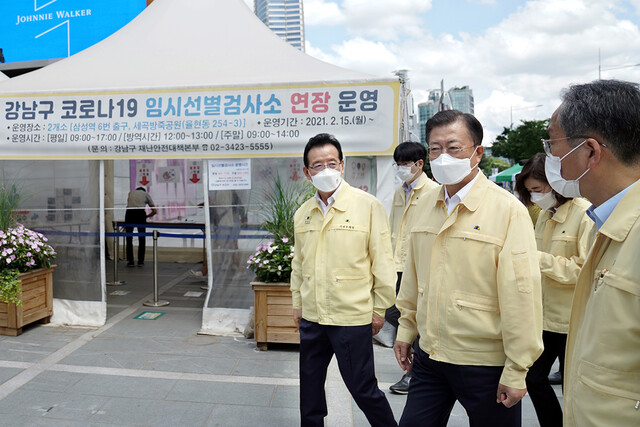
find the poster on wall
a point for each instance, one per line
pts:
(169, 174)
(359, 173)
(200, 123)
(230, 174)
(143, 173)
(193, 174)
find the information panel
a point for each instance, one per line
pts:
(219, 122)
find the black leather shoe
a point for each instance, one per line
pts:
(555, 378)
(402, 386)
(130, 264)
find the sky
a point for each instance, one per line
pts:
(516, 55)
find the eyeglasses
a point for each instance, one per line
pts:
(410, 164)
(436, 150)
(546, 143)
(321, 167)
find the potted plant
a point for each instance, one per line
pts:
(25, 269)
(272, 264)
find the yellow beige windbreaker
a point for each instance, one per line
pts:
(471, 285)
(400, 218)
(563, 242)
(342, 269)
(602, 373)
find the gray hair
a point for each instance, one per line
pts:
(608, 108)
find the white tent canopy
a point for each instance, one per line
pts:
(193, 48)
(3, 77)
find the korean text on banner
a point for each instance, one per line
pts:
(218, 122)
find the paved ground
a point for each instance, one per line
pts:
(133, 372)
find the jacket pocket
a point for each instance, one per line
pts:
(473, 322)
(605, 396)
(351, 293)
(522, 270)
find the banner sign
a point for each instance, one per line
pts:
(218, 122)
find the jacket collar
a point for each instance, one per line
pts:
(344, 197)
(422, 180)
(624, 216)
(476, 194)
(561, 213)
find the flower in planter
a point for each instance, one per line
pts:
(21, 250)
(272, 261)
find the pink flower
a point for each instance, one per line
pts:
(284, 239)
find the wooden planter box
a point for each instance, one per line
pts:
(37, 302)
(273, 314)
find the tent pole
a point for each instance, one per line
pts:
(103, 266)
(207, 231)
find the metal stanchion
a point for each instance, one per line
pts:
(115, 281)
(155, 302)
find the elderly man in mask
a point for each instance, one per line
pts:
(342, 282)
(470, 288)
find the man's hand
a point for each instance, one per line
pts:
(297, 315)
(403, 354)
(376, 324)
(509, 396)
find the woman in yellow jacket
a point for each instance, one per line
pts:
(563, 235)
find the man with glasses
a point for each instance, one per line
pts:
(410, 158)
(342, 282)
(470, 288)
(594, 151)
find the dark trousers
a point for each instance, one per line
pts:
(542, 394)
(354, 352)
(435, 387)
(135, 216)
(393, 314)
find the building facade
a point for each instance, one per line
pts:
(283, 17)
(457, 98)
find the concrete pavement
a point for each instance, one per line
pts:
(134, 372)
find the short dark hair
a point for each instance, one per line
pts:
(447, 117)
(534, 168)
(318, 141)
(608, 108)
(410, 152)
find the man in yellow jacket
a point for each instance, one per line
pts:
(470, 287)
(342, 281)
(410, 158)
(594, 151)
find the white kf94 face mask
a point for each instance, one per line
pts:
(553, 171)
(449, 170)
(327, 180)
(404, 173)
(546, 201)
